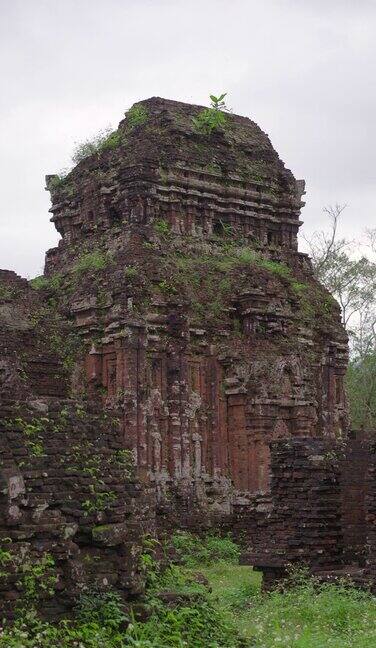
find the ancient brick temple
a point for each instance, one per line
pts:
(176, 323)
(209, 354)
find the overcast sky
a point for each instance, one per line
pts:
(305, 70)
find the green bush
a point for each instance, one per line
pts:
(162, 227)
(103, 608)
(33, 432)
(167, 287)
(37, 579)
(49, 283)
(198, 625)
(95, 260)
(276, 267)
(232, 613)
(247, 255)
(213, 118)
(58, 180)
(104, 140)
(193, 550)
(136, 116)
(29, 631)
(6, 292)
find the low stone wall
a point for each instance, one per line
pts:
(371, 516)
(353, 481)
(304, 526)
(323, 511)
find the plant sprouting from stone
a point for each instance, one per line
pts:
(105, 139)
(58, 180)
(49, 283)
(37, 578)
(32, 431)
(162, 227)
(6, 557)
(136, 116)
(92, 261)
(218, 103)
(213, 118)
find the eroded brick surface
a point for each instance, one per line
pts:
(68, 489)
(177, 304)
(210, 353)
(322, 513)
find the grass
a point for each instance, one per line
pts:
(193, 551)
(136, 116)
(49, 283)
(218, 604)
(232, 584)
(95, 260)
(162, 227)
(209, 281)
(6, 292)
(306, 615)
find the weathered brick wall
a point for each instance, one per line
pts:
(305, 522)
(165, 169)
(68, 490)
(177, 305)
(371, 516)
(205, 325)
(322, 512)
(353, 480)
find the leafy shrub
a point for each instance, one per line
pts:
(58, 180)
(124, 458)
(6, 292)
(195, 626)
(223, 229)
(29, 631)
(37, 579)
(213, 118)
(247, 255)
(6, 557)
(130, 272)
(100, 500)
(42, 282)
(235, 614)
(167, 287)
(33, 432)
(104, 608)
(95, 260)
(136, 116)
(39, 282)
(162, 227)
(280, 269)
(193, 550)
(104, 140)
